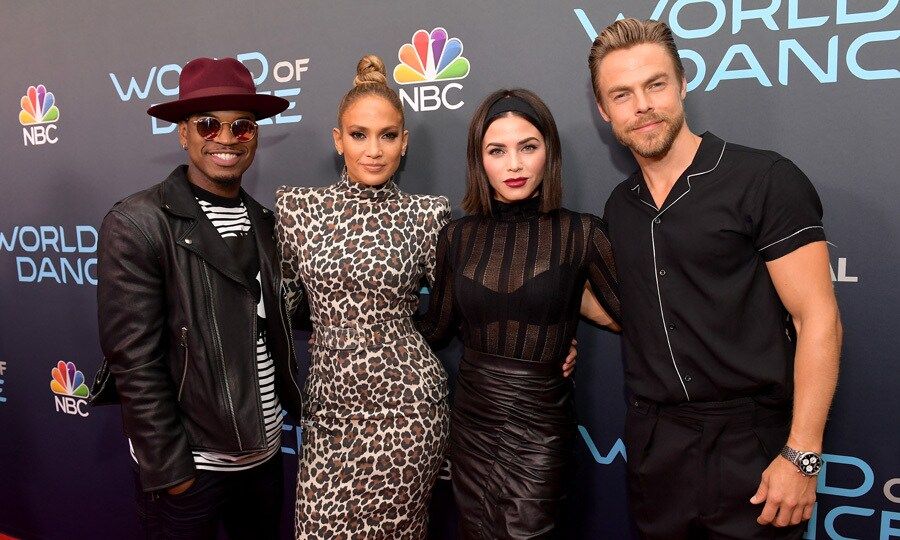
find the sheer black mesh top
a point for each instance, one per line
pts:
(511, 283)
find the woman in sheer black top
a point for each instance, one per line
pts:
(509, 278)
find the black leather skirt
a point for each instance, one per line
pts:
(512, 432)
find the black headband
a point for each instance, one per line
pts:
(511, 104)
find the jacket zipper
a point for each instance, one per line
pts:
(254, 341)
(184, 333)
(218, 341)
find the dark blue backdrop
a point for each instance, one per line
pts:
(814, 80)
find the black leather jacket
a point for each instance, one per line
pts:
(178, 331)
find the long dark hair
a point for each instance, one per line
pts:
(479, 194)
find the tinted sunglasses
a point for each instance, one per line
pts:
(209, 127)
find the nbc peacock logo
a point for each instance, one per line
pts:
(431, 57)
(70, 389)
(38, 115)
(38, 106)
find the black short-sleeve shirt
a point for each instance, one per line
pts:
(701, 318)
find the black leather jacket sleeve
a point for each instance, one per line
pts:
(131, 302)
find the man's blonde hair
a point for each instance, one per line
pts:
(625, 34)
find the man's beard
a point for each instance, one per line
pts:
(226, 181)
(656, 145)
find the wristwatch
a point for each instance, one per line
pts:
(809, 463)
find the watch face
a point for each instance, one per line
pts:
(809, 463)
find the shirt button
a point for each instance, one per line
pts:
(657, 221)
(662, 272)
(672, 326)
(688, 378)
(187, 240)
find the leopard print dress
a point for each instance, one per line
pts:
(376, 418)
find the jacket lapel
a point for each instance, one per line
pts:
(200, 236)
(263, 221)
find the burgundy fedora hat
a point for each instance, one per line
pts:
(207, 84)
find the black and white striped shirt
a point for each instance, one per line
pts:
(230, 221)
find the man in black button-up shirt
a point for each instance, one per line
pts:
(731, 328)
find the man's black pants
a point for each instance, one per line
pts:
(693, 467)
(247, 504)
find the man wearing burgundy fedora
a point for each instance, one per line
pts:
(196, 339)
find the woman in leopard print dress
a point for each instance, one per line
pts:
(376, 418)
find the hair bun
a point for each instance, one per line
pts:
(370, 69)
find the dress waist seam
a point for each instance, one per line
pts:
(362, 336)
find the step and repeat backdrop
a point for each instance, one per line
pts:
(816, 80)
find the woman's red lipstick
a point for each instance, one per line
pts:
(515, 182)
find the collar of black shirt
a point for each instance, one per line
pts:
(705, 160)
(212, 198)
(516, 210)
